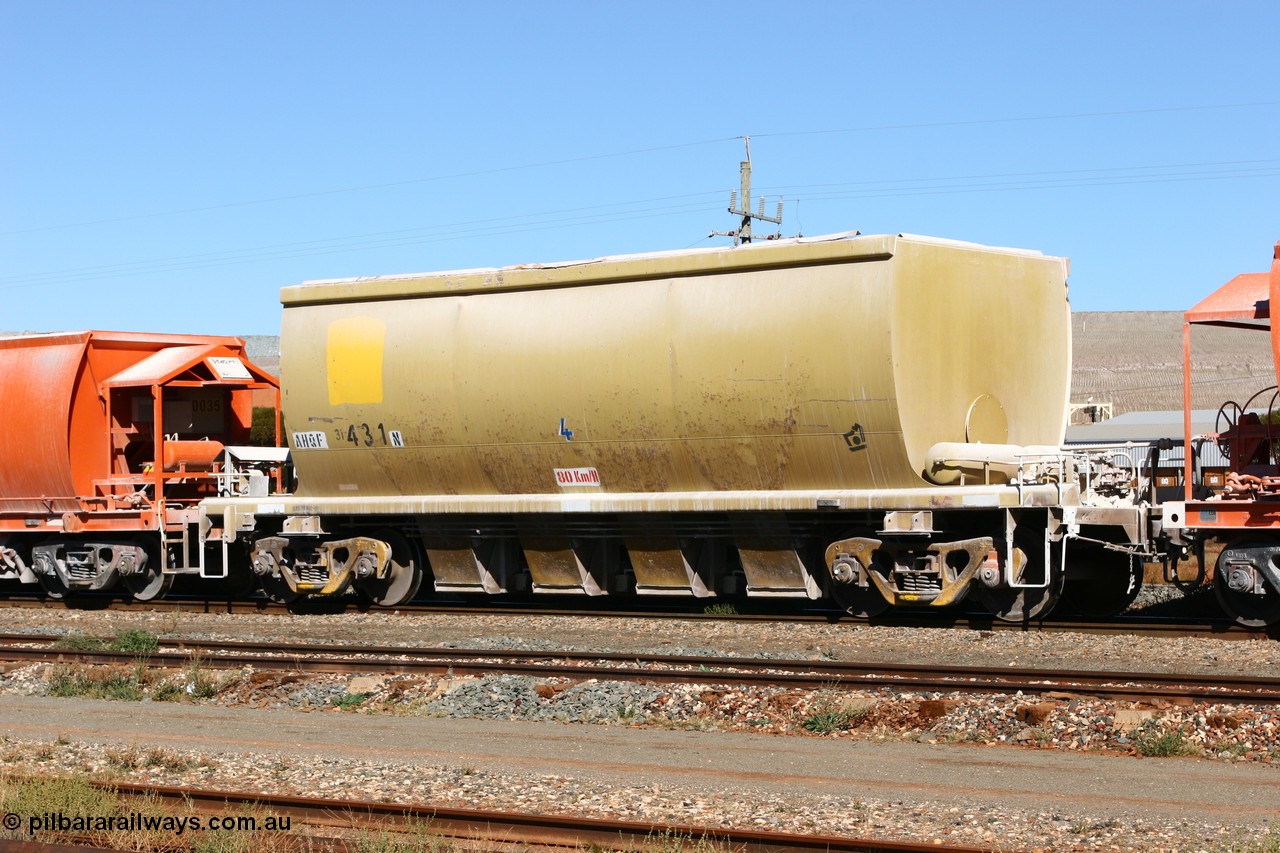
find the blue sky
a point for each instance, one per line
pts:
(169, 166)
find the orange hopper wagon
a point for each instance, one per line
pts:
(111, 441)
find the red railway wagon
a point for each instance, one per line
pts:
(111, 441)
(1245, 517)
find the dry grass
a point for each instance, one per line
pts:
(74, 797)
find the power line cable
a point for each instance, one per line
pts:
(870, 183)
(364, 187)
(603, 213)
(455, 229)
(981, 121)
(620, 216)
(629, 153)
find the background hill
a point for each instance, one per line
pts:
(1131, 359)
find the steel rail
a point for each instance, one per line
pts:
(1199, 626)
(15, 846)
(546, 830)
(804, 674)
(1133, 625)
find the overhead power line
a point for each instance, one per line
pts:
(308, 246)
(1096, 171)
(1050, 117)
(1117, 181)
(653, 207)
(366, 187)
(630, 153)
(339, 245)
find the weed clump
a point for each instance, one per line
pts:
(80, 643)
(833, 720)
(1154, 740)
(347, 701)
(136, 641)
(70, 796)
(104, 683)
(831, 713)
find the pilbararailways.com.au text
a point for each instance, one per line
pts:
(135, 821)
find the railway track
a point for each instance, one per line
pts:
(1199, 626)
(338, 821)
(801, 674)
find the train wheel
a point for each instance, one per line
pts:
(1020, 605)
(1242, 589)
(1252, 611)
(861, 601)
(148, 585)
(238, 583)
(277, 589)
(151, 583)
(1103, 582)
(1023, 605)
(1247, 609)
(53, 586)
(404, 575)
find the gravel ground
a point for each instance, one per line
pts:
(1223, 733)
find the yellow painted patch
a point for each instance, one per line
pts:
(354, 356)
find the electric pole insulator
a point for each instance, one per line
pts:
(743, 233)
